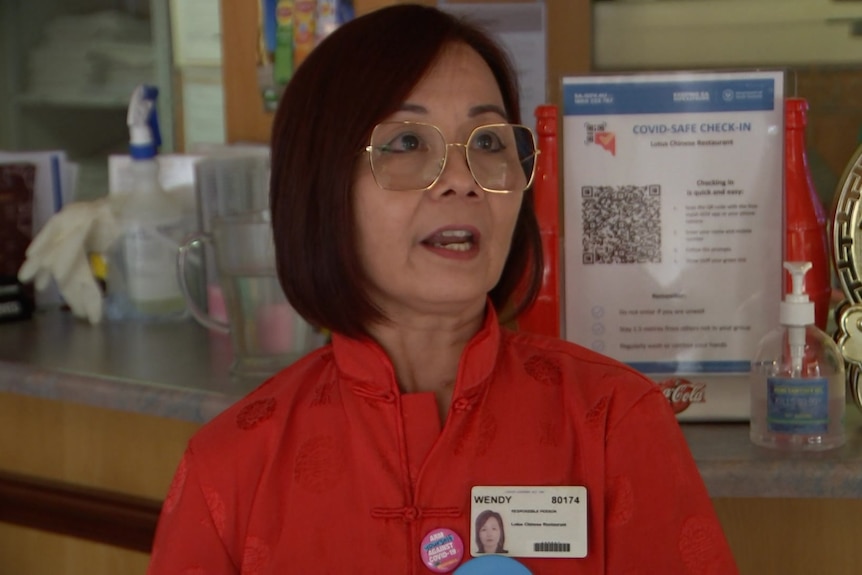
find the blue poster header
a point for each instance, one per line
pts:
(668, 97)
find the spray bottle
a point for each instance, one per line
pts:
(142, 283)
(797, 379)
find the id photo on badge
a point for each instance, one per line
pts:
(490, 532)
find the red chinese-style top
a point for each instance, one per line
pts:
(328, 469)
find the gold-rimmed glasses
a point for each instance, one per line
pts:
(408, 156)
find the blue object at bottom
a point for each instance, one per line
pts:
(492, 565)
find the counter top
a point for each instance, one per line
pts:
(732, 466)
(176, 370)
(180, 370)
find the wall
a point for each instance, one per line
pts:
(816, 41)
(678, 33)
(835, 121)
(5, 73)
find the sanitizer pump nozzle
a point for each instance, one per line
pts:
(143, 120)
(796, 312)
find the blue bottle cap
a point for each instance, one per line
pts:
(492, 565)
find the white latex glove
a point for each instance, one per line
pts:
(60, 249)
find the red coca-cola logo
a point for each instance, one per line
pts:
(681, 393)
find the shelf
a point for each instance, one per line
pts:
(96, 100)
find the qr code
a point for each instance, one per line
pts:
(621, 224)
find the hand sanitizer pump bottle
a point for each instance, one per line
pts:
(142, 282)
(797, 379)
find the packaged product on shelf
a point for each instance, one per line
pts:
(303, 26)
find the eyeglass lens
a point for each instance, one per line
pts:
(410, 156)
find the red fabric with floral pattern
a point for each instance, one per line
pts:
(327, 468)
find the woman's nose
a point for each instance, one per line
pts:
(456, 177)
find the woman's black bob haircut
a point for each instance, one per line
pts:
(356, 77)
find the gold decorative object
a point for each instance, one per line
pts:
(847, 259)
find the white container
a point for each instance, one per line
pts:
(142, 283)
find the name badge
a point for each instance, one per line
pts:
(529, 521)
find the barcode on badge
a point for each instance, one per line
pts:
(551, 547)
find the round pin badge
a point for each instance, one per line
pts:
(442, 550)
(492, 565)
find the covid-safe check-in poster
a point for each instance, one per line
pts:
(673, 226)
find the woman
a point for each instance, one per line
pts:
(404, 224)
(490, 535)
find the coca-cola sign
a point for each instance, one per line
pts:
(681, 393)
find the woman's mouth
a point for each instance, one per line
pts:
(453, 239)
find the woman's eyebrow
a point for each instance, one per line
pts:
(473, 112)
(408, 107)
(485, 108)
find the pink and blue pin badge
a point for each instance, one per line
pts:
(492, 565)
(442, 550)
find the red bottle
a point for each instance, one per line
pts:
(805, 219)
(544, 315)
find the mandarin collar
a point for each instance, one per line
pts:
(365, 363)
